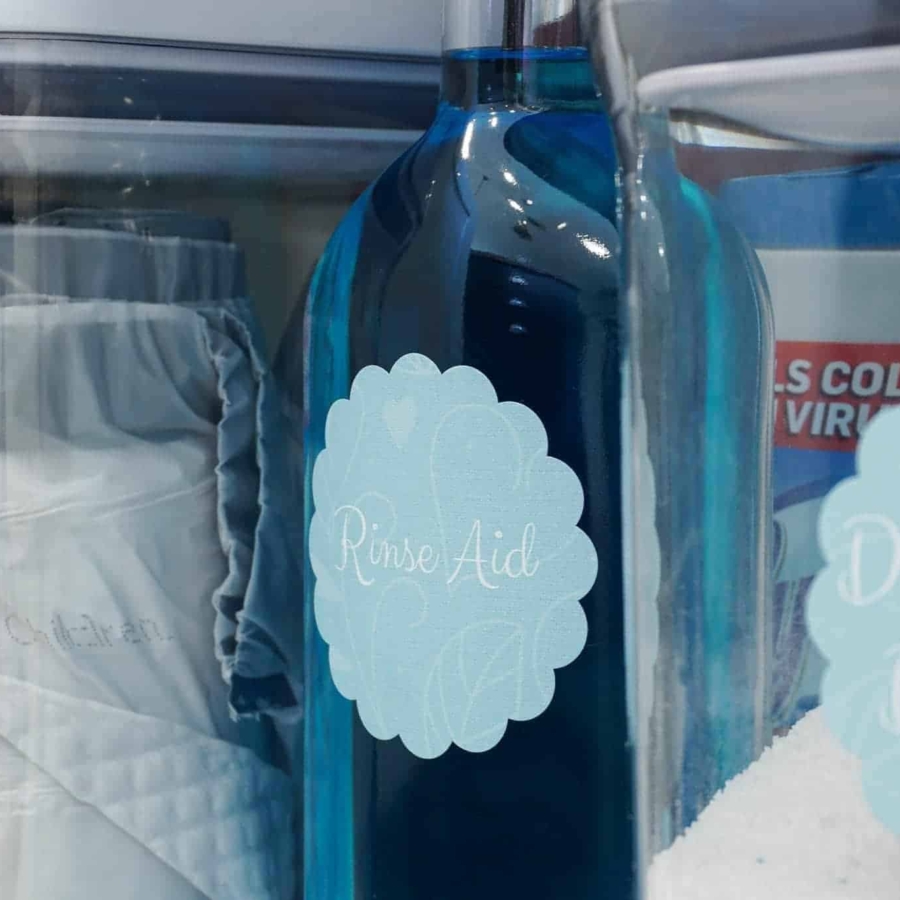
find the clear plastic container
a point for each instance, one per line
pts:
(762, 503)
(160, 210)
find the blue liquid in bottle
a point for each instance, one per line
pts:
(491, 243)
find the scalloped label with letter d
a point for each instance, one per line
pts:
(448, 560)
(854, 613)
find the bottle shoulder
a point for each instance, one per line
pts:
(538, 187)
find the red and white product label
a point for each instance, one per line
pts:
(837, 322)
(827, 392)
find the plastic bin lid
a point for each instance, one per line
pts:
(665, 34)
(844, 98)
(809, 70)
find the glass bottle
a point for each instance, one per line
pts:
(490, 245)
(697, 497)
(771, 763)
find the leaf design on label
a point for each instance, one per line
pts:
(478, 669)
(448, 560)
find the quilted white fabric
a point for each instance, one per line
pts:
(209, 810)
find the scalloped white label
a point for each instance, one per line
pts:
(854, 614)
(448, 560)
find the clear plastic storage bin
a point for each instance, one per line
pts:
(160, 210)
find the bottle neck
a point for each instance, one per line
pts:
(510, 24)
(522, 52)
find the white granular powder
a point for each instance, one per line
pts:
(794, 826)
